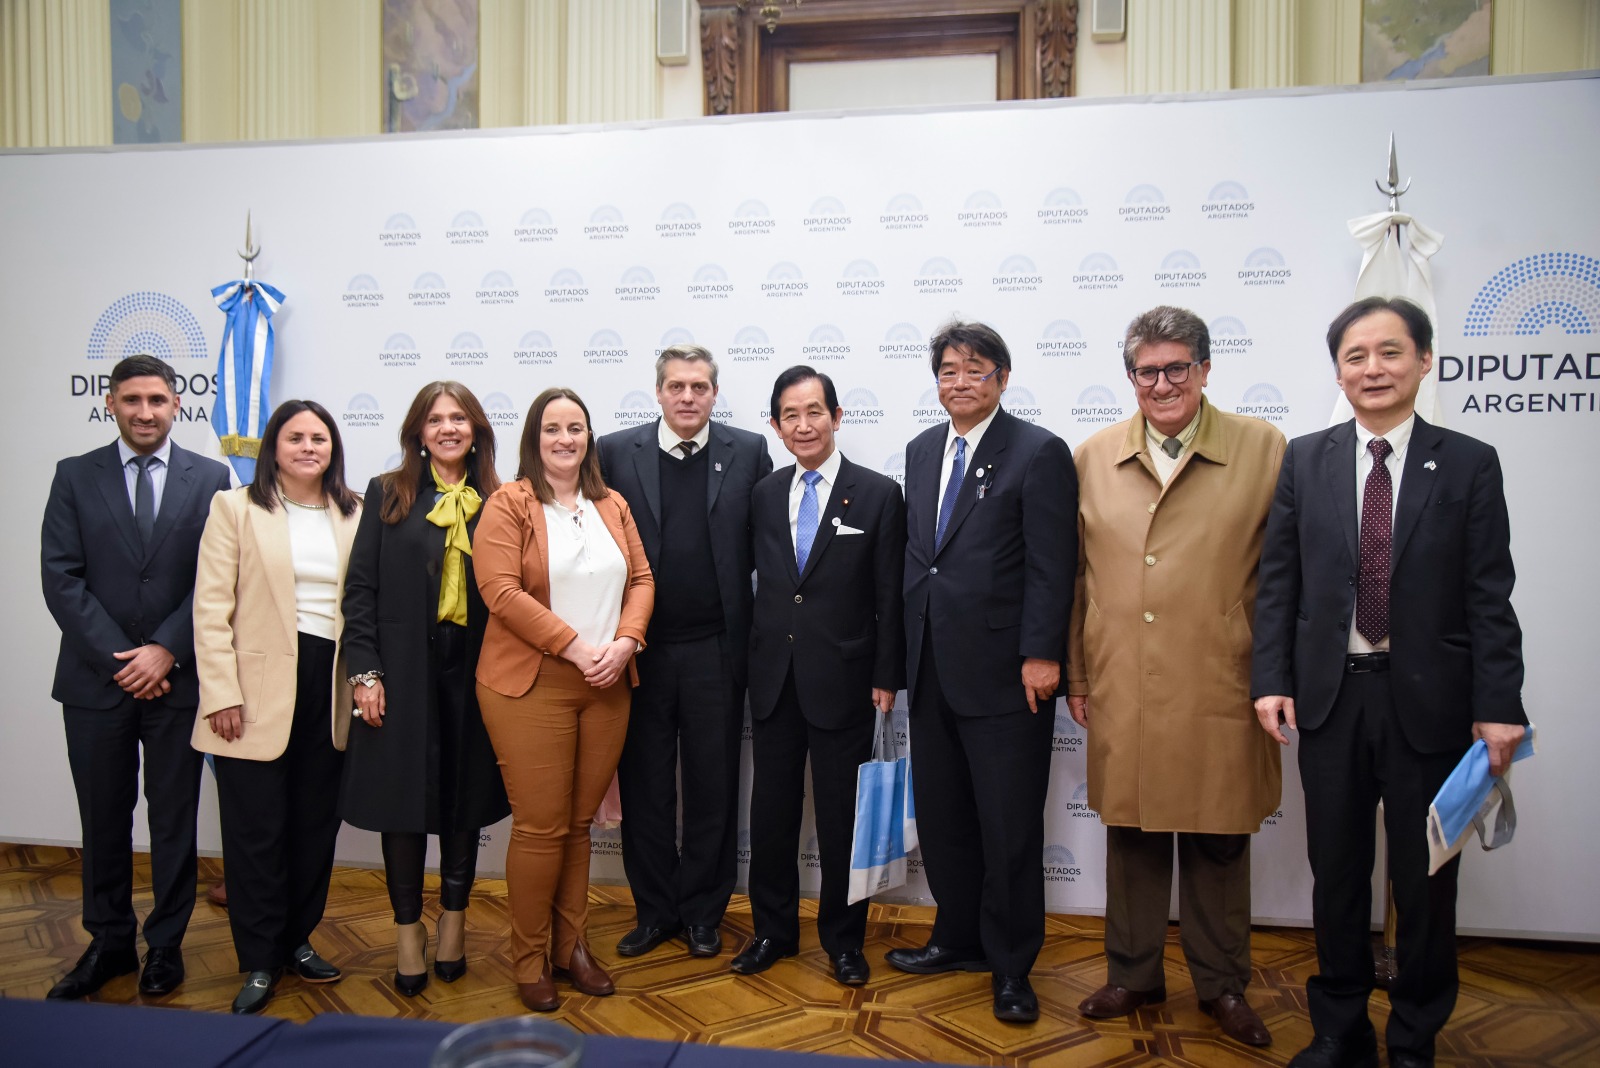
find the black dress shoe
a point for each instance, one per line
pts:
(703, 941)
(450, 970)
(1327, 1052)
(256, 992)
(410, 985)
(97, 967)
(1401, 1059)
(759, 955)
(643, 939)
(312, 968)
(850, 968)
(932, 959)
(163, 971)
(1014, 999)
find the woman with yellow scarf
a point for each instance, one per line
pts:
(419, 761)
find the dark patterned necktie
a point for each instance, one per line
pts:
(144, 498)
(1377, 537)
(687, 448)
(952, 490)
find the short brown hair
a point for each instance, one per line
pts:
(530, 465)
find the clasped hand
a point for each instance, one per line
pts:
(601, 665)
(145, 675)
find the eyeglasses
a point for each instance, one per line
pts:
(970, 377)
(1177, 373)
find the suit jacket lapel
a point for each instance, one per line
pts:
(1416, 483)
(1340, 464)
(174, 497)
(647, 468)
(926, 505)
(721, 446)
(113, 485)
(988, 453)
(271, 533)
(839, 499)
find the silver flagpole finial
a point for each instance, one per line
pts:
(1394, 190)
(251, 250)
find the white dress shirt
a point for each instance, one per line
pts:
(1398, 438)
(669, 441)
(973, 436)
(158, 473)
(829, 470)
(587, 572)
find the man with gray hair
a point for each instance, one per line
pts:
(687, 481)
(1172, 510)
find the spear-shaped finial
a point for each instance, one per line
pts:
(251, 251)
(1394, 190)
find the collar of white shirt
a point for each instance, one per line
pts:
(973, 436)
(1398, 438)
(669, 440)
(164, 454)
(828, 469)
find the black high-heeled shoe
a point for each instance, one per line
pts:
(450, 970)
(411, 985)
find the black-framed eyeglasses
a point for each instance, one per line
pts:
(971, 376)
(1177, 373)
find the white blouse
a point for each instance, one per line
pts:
(316, 569)
(587, 571)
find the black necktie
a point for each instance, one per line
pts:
(1377, 535)
(688, 448)
(1172, 447)
(144, 498)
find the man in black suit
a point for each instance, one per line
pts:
(991, 557)
(121, 534)
(692, 673)
(826, 650)
(1385, 636)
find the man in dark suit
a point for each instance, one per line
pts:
(826, 650)
(991, 557)
(1385, 636)
(121, 534)
(692, 673)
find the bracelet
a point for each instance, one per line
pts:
(366, 678)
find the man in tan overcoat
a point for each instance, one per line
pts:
(1172, 510)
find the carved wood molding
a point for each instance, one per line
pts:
(746, 68)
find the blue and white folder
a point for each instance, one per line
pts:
(1468, 800)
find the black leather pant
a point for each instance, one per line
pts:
(403, 857)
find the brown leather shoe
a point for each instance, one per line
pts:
(539, 995)
(585, 975)
(1111, 1001)
(1239, 1021)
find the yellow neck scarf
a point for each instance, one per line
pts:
(456, 506)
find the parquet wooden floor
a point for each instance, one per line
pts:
(1522, 1004)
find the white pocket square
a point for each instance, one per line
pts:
(843, 529)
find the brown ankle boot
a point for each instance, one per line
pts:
(539, 995)
(586, 976)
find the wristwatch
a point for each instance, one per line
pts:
(366, 678)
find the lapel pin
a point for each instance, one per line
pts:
(717, 466)
(837, 521)
(1431, 466)
(979, 472)
(845, 503)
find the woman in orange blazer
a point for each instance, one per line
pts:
(274, 704)
(561, 568)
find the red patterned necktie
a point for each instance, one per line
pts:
(1377, 536)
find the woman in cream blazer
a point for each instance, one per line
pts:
(569, 590)
(273, 706)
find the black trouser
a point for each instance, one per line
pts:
(686, 704)
(279, 825)
(980, 785)
(777, 797)
(1358, 756)
(404, 854)
(103, 752)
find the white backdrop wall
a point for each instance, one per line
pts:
(572, 256)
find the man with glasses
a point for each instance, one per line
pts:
(1172, 509)
(990, 551)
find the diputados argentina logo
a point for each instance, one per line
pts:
(1229, 337)
(674, 335)
(535, 226)
(606, 224)
(1228, 200)
(638, 284)
(861, 408)
(399, 351)
(750, 345)
(710, 283)
(751, 218)
(937, 277)
(1180, 269)
(635, 408)
(1067, 736)
(860, 280)
(1063, 207)
(1097, 271)
(605, 841)
(497, 287)
(903, 212)
(982, 209)
(1078, 807)
(534, 349)
(677, 221)
(1144, 203)
(362, 292)
(826, 342)
(501, 411)
(398, 231)
(1060, 866)
(1264, 401)
(1019, 401)
(928, 410)
(428, 291)
(467, 228)
(1097, 405)
(1061, 338)
(785, 280)
(826, 216)
(566, 287)
(362, 412)
(605, 347)
(154, 323)
(466, 350)
(903, 341)
(1553, 297)
(1017, 274)
(1265, 267)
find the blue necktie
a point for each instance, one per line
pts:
(953, 487)
(805, 531)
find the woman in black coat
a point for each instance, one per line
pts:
(419, 761)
